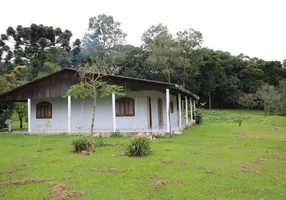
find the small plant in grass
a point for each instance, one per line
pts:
(115, 134)
(139, 146)
(80, 144)
(239, 120)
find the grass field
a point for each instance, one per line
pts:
(215, 160)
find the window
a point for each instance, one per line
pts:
(44, 110)
(171, 106)
(125, 107)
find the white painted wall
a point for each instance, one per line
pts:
(81, 114)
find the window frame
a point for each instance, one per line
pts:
(46, 107)
(125, 103)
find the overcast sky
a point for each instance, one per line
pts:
(254, 27)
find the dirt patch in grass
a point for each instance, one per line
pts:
(262, 136)
(61, 192)
(19, 167)
(181, 163)
(240, 135)
(234, 147)
(259, 160)
(166, 161)
(248, 167)
(53, 183)
(49, 148)
(252, 171)
(272, 153)
(116, 170)
(25, 180)
(208, 171)
(160, 182)
(111, 170)
(2, 194)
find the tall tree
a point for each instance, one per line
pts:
(31, 45)
(153, 32)
(211, 74)
(103, 33)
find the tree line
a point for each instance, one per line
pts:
(219, 78)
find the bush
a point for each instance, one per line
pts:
(139, 146)
(199, 116)
(80, 144)
(115, 134)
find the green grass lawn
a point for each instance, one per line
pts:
(215, 160)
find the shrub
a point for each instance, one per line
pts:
(115, 134)
(139, 146)
(199, 116)
(239, 120)
(80, 144)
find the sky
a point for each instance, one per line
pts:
(253, 27)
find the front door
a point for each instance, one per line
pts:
(160, 112)
(149, 112)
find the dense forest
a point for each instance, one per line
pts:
(220, 79)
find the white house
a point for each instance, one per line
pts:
(148, 106)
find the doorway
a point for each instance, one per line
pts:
(149, 112)
(160, 112)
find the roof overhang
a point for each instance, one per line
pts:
(58, 83)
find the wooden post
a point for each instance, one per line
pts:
(29, 116)
(113, 112)
(180, 110)
(187, 117)
(69, 114)
(168, 109)
(191, 110)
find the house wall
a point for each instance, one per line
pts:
(81, 114)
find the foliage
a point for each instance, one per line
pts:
(6, 109)
(21, 109)
(116, 134)
(92, 86)
(104, 34)
(139, 146)
(239, 120)
(80, 143)
(34, 45)
(272, 98)
(48, 68)
(199, 116)
(248, 100)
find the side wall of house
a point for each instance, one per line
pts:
(81, 114)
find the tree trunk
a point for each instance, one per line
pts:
(93, 116)
(21, 122)
(210, 100)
